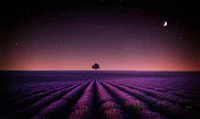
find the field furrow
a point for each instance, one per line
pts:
(178, 111)
(134, 107)
(29, 111)
(100, 95)
(108, 106)
(61, 108)
(167, 96)
(84, 107)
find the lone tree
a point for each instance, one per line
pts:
(96, 66)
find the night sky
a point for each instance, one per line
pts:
(116, 34)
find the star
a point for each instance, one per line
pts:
(150, 18)
(109, 32)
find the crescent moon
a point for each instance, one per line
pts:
(165, 23)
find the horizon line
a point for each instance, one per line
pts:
(115, 70)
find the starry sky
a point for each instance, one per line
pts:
(116, 34)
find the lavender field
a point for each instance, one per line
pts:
(99, 95)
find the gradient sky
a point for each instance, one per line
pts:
(120, 35)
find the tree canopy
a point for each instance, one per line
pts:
(96, 66)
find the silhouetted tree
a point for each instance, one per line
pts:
(96, 66)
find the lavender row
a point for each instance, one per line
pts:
(34, 91)
(133, 106)
(160, 84)
(149, 91)
(169, 97)
(38, 91)
(61, 108)
(178, 92)
(189, 95)
(40, 88)
(35, 87)
(26, 101)
(184, 93)
(29, 111)
(156, 85)
(84, 108)
(109, 109)
(167, 108)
